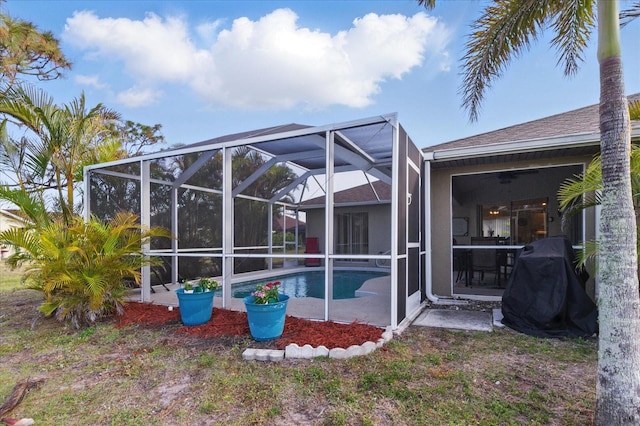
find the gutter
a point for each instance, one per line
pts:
(525, 145)
(514, 147)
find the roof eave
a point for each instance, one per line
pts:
(520, 146)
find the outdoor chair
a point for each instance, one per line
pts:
(484, 260)
(312, 247)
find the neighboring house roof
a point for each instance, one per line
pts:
(577, 131)
(374, 193)
(278, 223)
(15, 215)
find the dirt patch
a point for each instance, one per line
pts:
(225, 324)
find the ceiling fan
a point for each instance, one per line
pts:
(507, 176)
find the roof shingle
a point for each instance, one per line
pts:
(582, 120)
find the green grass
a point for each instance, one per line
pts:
(154, 376)
(9, 278)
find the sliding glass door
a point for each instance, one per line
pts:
(352, 233)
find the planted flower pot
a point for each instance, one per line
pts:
(195, 308)
(266, 320)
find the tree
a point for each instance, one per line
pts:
(25, 50)
(506, 28)
(57, 142)
(136, 137)
(584, 190)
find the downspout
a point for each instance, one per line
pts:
(427, 228)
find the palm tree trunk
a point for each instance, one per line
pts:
(618, 386)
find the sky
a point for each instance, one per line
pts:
(204, 69)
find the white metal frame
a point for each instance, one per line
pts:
(357, 157)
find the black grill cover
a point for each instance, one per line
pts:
(544, 296)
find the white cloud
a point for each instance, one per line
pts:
(269, 63)
(153, 48)
(90, 80)
(138, 96)
(209, 30)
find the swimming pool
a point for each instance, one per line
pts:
(311, 284)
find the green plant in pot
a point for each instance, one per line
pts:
(187, 287)
(196, 300)
(266, 311)
(208, 284)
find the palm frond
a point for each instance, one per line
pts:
(634, 110)
(629, 14)
(503, 31)
(427, 4)
(507, 28)
(32, 205)
(573, 26)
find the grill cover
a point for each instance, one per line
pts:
(544, 295)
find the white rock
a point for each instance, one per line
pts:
(262, 355)
(368, 347)
(292, 351)
(249, 354)
(338, 353)
(306, 352)
(321, 351)
(276, 355)
(354, 350)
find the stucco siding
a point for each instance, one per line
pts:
(379, 226)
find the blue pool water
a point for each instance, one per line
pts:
(311, 284)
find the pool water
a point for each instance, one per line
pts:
(311, 284)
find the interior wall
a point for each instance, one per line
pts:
(542, 184)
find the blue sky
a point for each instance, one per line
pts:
(203, 69)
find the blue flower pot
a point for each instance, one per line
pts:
(266, 321)
(195, 308)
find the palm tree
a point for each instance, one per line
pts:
(82, 268)
(57, 143)
(506, 28)
(584, 190)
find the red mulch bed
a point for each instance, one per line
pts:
(225, 323)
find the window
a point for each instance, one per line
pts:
(515, 222)
(352, 233)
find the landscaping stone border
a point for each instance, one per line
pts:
(293, 351)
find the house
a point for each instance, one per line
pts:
(9, 219)
(496, 191)
(371, 198)
(361, 220)
(289, 224)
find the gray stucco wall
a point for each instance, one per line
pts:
(379, 226)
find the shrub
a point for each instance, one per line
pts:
(82, 268)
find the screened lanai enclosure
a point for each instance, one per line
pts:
(245, 209)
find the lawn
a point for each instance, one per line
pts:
(9, 278)
(136, 375)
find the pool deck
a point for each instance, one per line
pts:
(373, 306)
